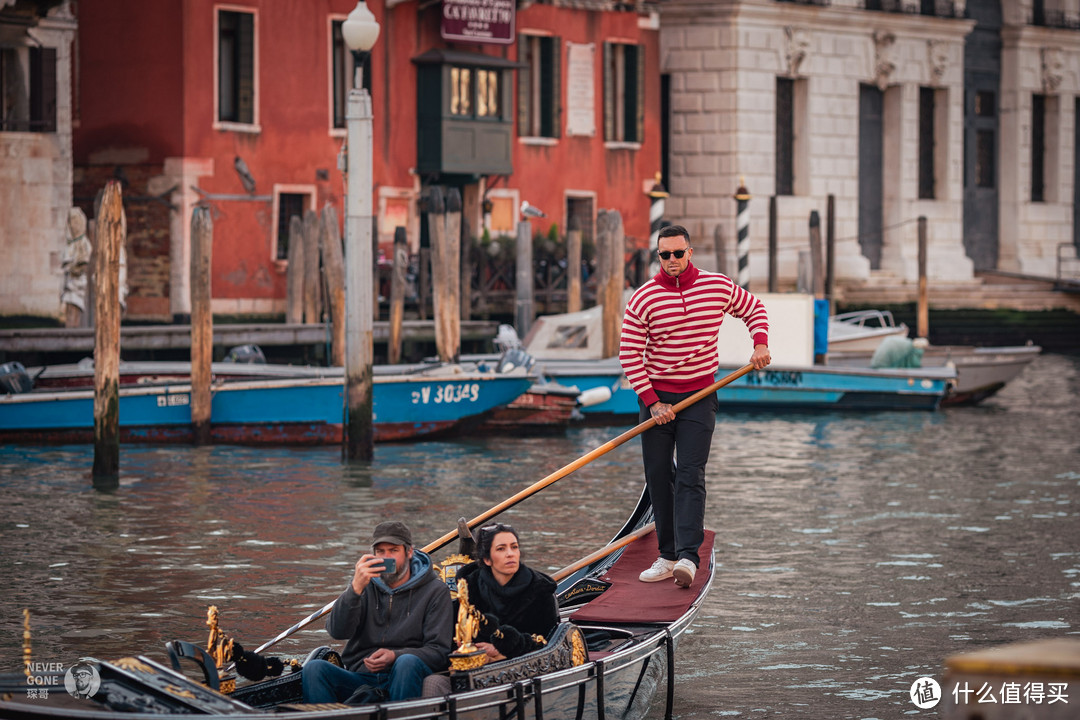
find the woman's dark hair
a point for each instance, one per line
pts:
(487, 537)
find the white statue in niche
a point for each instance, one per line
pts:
(76, 266)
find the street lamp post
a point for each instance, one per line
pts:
(360, 31)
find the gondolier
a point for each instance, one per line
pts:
(668, 352)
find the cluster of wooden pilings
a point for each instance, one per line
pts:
(316, 292)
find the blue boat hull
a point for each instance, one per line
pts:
(791, 388)
(264, 412)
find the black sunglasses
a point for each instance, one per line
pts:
(666, 254)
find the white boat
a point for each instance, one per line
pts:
(862, 330)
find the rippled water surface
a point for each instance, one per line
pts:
(855, 552)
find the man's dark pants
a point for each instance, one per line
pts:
(677, 489)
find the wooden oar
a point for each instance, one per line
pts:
(588, 458)
(603, 552)
(536, 487)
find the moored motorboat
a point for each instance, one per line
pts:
(980, 371)
(567, 349)
(297, 406)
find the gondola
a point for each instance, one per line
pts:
(613, 650)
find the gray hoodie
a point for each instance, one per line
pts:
(414, 619)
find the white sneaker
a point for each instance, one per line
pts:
(684, 572)
(660, 570)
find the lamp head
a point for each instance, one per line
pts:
(360, 30)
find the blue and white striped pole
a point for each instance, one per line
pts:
(658, 196)
(742, 225)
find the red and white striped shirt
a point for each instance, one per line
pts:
(670, 329)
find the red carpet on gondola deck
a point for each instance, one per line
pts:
(629, 600)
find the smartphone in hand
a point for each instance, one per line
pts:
(389, 565)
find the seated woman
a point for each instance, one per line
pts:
(518, 603)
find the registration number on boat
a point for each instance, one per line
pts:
(448, 393)
(774, 377)
(173, 400)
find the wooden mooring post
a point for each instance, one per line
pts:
(817, 273)
(294, 279)
(466, 251)
(523, 280)
(830, 249)
(450, 316)
(397, 294)
(312, 282)
(573, 271)
(922, 315)
(774, 244)
(202, 324)
(111, 228)
(334, 263)
(444, 225)
(611, 242)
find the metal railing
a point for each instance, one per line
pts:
(1054, 19)
(1068, 267)
(931, 8)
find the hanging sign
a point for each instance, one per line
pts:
(486, 21)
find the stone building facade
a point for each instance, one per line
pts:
(35, 153)
(960, 112)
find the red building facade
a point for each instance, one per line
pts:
(241, 105)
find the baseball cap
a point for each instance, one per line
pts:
(393, 532)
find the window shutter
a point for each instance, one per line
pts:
(524, 77)
(246, 70)
(546, 62)
(556, 87)
(609, 94)
(640, 109)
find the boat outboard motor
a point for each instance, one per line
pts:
(246, 355)
(515, 358)
(14, 379)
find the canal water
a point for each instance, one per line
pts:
(855, 551)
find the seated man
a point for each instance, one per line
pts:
(398, 625)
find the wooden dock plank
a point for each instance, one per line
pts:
(162, 337)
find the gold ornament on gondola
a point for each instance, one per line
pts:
(220, 647)
(467, 656)
(578, 655)
(27, 652)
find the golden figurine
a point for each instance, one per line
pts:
(220, 647)
(467, 656)
(467, 622)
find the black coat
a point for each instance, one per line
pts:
(513, 613)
